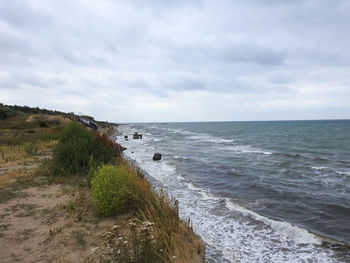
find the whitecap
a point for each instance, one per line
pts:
(180, 157)
(245, 149)
(320, 168)
(298, 234)
(343, 172)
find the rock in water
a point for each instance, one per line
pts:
(157, 157)
(137, 136)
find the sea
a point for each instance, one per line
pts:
(269, 191)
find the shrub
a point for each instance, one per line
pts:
(105, 150)
(111, 189)
(72, 153)
(43, 124)
(76, 146)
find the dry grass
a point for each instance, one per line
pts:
(175, 239)
(26, 128)
(45, 218)
(16, 162)
(24, 144)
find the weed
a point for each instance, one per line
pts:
(139, 245)
(50, 137)
(79, 206)
(54, 231)
(92, 170)
(31, 149)
(111, 189)
(4, 227)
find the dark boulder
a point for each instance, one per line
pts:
(137, 136)
(126, 136)
(157, 157)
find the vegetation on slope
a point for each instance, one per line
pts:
(120, 218)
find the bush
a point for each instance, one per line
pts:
(71, 155)
(76, 146)
(43, 124)
(105, 148)
(111, 189)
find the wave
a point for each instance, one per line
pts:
(295, 233)
(318, 168)
(245, 149)
(179, 131)
(232, 232)
(328, 169)
(218, 140)
(180, 157)
(343, 172)
(208, 138)
(298, 234)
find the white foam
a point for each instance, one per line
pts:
(202, 137)
(245, 149)
(180, 131)
(178, 157)
(343, 172)
(208, 196)
(320, 168)
(192, 187)
(168, 168)
(232, 233)
(298, 234)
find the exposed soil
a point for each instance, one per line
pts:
(45, 224)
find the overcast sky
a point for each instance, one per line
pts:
(178, 60)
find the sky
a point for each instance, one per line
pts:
(178, 60)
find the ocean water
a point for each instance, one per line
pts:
(255, 191)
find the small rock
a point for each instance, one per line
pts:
(157, 157)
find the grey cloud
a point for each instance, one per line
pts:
(188, 84)
(153, 49)
(279, 78)
(21, 14)
(20, 78)
(248, 53)
(224, 51)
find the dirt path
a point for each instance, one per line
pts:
(48, 223)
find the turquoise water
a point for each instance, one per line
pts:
(282, 188)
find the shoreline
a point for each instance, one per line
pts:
(43, 216)
(335, 245)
